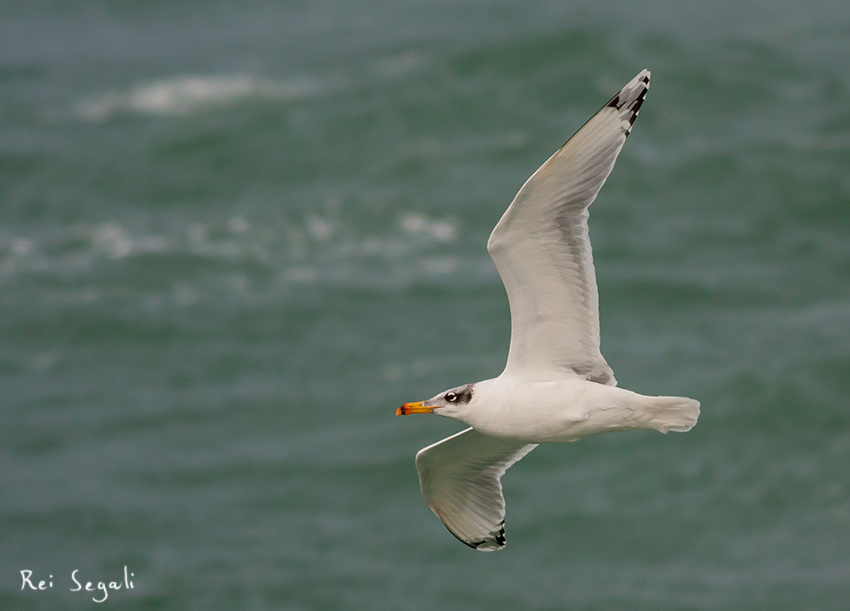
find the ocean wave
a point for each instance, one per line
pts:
(318, 249)
(181, 95)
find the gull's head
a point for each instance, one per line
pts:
(454, 403)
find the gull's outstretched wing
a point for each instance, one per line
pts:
(460, 478)
(542, 249)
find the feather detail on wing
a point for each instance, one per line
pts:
(542, 249)
(460, 478)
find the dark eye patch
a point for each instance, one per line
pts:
(461, 395)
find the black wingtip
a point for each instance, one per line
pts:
(631, 97)
(501, 541)
(495, 541)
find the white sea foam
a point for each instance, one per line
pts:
(112, 240)
(320, 247)
(436, 230)
(185, 94)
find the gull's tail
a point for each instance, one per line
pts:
(672, 414)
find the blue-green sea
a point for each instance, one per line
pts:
(235, 236)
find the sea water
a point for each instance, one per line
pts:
(234, 237)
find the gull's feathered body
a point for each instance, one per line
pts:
(556, 386)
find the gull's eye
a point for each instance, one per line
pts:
(451, 397)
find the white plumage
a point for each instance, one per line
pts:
(556, 385)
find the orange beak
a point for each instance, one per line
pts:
(413, 408)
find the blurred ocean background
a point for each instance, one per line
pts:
(235, 236)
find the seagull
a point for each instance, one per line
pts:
(556, 386)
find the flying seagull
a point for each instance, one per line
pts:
(556, 386)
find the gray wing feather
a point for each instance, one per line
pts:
(542, 249)
(460, 478)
